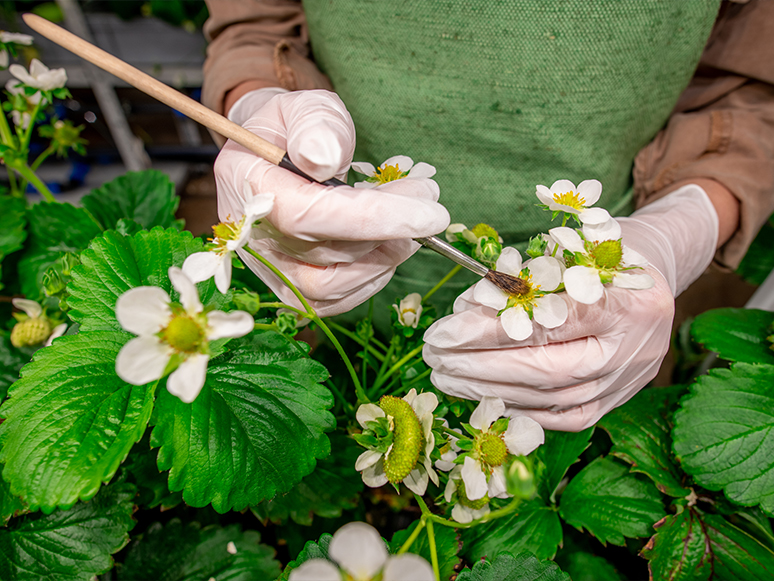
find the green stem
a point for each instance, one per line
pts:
(495, 514)
(348, 407)
(5, 131)
(310, 312)
(410, 355)
(365, 347)
(265, 327)
(442, 282)
(30, 176)
(12, 181)
(417, 379)
(25, 142)
(433, 551)
(347, 333)
(413, 537)
(42, 157)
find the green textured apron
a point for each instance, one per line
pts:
(501, 95)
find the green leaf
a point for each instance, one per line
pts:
(152, 485)
(254, 430)
(611, 503)
(535, 528)
(53, 230)
(11, 362)
(333, 486)
(758, 263)
(311, 550)
(525, 567)
(694, 545)
(10, 505)
(679, 551)
(724, 433)
(71, 544)
(187, 552)
(583, 566)
(113, 264)
(70, 421)
(640, 431)
(445, 544)
(13, 220)
(736, 334)
(560, 451)
(147, 197)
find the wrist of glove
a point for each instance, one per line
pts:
(341, 245)
(567, 378)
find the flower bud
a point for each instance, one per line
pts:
(520, 478)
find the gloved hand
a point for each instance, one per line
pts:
(340, 245)
(567, 378)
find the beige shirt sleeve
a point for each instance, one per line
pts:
(257, 40)
(723, 125)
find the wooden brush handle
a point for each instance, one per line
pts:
(157, 89)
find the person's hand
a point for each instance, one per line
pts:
(340, 245)
(567, 378)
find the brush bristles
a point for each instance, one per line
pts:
(507, 283)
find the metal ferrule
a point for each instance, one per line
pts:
(445, 249)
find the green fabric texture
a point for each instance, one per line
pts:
(501, 95)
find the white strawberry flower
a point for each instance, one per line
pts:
(517, 312)
(172, 336)
(35, 328)
(409, 310)
(482, 470)
(460, 233)
(395, 168)
(371, 462)
(39, 76)
(228, 238)
(359, 553)
(11, 38)
(563, 196)
(464, 509)
(22, 118)
(599, 260)
(58, 331)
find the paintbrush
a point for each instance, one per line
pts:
(231, 130)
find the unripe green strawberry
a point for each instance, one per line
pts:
(463, 499)
(407, 438)
(493, 449)
(30, 332)
(608, 253)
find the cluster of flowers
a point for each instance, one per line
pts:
(406, 443)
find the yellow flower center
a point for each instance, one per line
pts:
(608, 253)
(388, 173)
(183, 334)
(527, 298)
(571, 199)
(492, 449)
(224, 232)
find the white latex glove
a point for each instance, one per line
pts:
(340, 245)
(569, 377)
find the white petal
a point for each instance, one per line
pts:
(583, 284)
(546, 272)
(411, 301)
(428, 464)
(374, 476)
(37, 68)
(368, 412)
(407, 566)
(21, 73)
(367, 459)
(365, 185)
(358, 549)
(363, 167)
(509, 261)
(202, 266)
(421, 170)
(410, 396)
(15, 37)
(454, 229)
(189, 296)
(523, 435)
(568, 238)
(474, 479)
(516, 323)
(633, 258)
(563, 186)
(550, 311)
(633, 281)
(590, 190)
(544, 194)
(316, 570)
(57, 332)
(486, 413)
(31, 308)
(142, 360)
(223, 275)
(451, 486)
(463, 514)
(143, 310)
(417, 480)
(4, 60)
(594, 216)
(188, 379)
(489, 295)
(608, 230)
(403, 162)
(497, 487)
(424, 403)
(231, 548)
(234, 324)
(257, 207)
